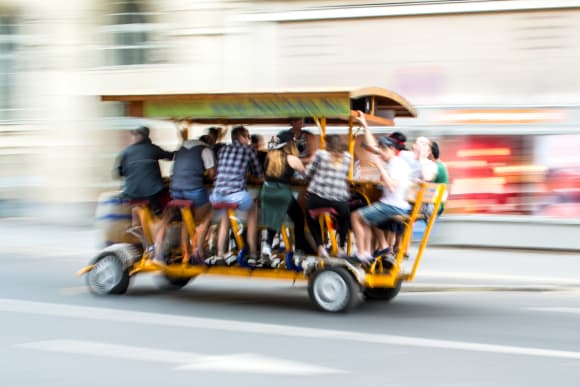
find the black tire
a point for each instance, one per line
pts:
(110, 273)
(334, 289)
(167, 282)
(382, 294)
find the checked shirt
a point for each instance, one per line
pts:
(234, 162)
(326, 179)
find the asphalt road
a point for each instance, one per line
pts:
(221, 331)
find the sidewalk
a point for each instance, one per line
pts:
(22, 236)
(439, 267)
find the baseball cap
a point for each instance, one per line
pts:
(285, 136)
(400, 140)
(141, 131)
(386, 141)
(281, 140)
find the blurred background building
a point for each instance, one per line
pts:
(494, 82)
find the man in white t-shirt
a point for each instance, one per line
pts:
(422, 168)
(395, 177)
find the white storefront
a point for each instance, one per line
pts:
(58, 142)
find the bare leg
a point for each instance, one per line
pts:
(252, 230)
(224, 227)
(184, 241)
(160, 234)
(203, 219)
(367, 238)
(359, 232)
(381, 241)
(391, 240)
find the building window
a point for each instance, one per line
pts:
(133, 34)
(7, 65)
(130, 35)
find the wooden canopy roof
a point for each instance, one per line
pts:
(380, 106)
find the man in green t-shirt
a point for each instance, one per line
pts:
(442, 175)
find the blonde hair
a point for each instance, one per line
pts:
(276, 161)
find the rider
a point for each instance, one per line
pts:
(276, 196)
(234, 161)
(139, 165)
(394, 174)
(304, 139)
(442, 176)
(193, 162)
(328, 187)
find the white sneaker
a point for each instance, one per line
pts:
(266, 251)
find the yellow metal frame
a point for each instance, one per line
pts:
(235, 228)
(188, 233)
(375, 277)
(179, 270)
(427, 193)
(286, 236)
(146, 220)
(325, 221)
(381, 100)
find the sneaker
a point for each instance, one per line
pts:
(263, 262)
(341, 253)
(276, 263)
(298, 258)
(253, 261)
(231, 259)
(266, 251)
(215, 260)
(384, 251)
(365, 260)
(388, 261)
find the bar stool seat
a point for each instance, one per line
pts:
(139, 202)
(225, 206)
(180, 203)
(316, 212)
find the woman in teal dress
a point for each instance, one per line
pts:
(276, 197)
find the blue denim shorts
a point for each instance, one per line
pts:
(379, 212)
(198, 197)
(242, 198)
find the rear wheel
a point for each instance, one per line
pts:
(167, 282)
(382, 294)
(334, 290)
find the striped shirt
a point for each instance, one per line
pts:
(234, 162)
(328, 180)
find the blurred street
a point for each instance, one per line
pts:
(475, 317)
(440, 266)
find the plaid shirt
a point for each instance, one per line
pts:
(234, 160)
(328, 180)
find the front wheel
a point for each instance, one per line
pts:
(334, 290)
(110, 272)
(382, 294)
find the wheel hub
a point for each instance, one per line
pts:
(106, 274)
(330, 290)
